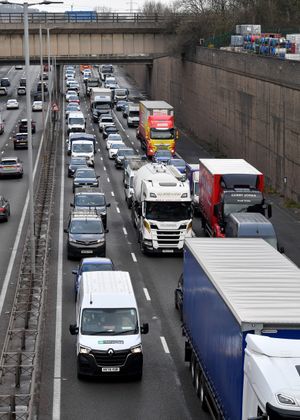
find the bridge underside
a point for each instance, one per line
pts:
(74, 44)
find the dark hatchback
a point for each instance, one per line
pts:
(86, 235)
(109, 130)
(90, 198)
(76, 163)
(121, 155)
(85, 177)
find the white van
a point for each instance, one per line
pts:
(83, 148)
(108, 326)
(76, 122)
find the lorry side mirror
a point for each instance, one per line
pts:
(66, 230)
(145, 328)
(269, 211)
(74, 330)
(72, 205)
(75, 272)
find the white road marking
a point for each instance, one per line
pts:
(133, 257)
(104, 168)
(115, 115)
(18, 235)
(165, 345)
(118, 210)
(58, 320)
(101, 156)
(125, 231)
(108, 180)
(147, 294)
(6, 144)
(112, 193)
(2, 152)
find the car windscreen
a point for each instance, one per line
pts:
(161, 134)
(76, 120)
(121, 92)
(86, 226)
(88, 267)
(85, 173)
(109, 321)
(89, 200)
(134, 113)
(125, 152)
(82, 148)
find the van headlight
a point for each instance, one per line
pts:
(84, 350)
(285, 399)
(136, 349)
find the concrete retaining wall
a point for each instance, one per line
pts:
(244, 106)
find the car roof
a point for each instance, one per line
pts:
(98, 260)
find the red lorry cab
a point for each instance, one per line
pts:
(227, 186)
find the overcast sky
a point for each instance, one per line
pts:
(114, 5)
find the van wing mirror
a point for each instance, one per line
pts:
(145, 328)
(73, 329)
(269, 211)
(108, 205)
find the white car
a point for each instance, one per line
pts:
(37, 106)
(74, 86)
(70, 81)
(113, 148)
(105, 120)
(70, 93)
(113, 138)
(12, 104)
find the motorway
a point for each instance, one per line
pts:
(166, 391)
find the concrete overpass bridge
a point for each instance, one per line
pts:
(107, 37)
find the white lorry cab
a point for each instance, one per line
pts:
(76, 122)
(107, 326)
(83, 148)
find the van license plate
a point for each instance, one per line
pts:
(111, 369)
(86, 252)
(168, 250)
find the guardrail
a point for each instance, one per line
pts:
(84, 17)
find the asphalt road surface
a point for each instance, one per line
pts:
(166, 391)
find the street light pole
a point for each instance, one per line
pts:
(42, 79)
(49, 78)
(29, 134)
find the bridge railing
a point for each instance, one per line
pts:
(82, 17)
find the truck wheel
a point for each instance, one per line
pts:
(192, 368)
(197, 380)
(202, 395)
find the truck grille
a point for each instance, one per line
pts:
(167, 237)
(118, 358)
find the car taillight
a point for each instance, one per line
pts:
(2, 209)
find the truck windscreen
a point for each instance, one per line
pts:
(161, 134)
(102, 106)
(82, 148)
(168, 211)
(238, 202)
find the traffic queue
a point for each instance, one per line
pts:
(164, 194)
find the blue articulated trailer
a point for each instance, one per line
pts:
(241, 321)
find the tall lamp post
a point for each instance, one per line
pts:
(29, 129)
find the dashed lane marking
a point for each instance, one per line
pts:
(133, 257)
(125, 231)
(108, 180)
(147, 294)
(104, 168)
(118, 210)
(165, 345)
(112, 193)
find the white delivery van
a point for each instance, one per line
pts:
(76, 122)
(107, 326)
(83, 148)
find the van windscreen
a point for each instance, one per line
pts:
(109, 321)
